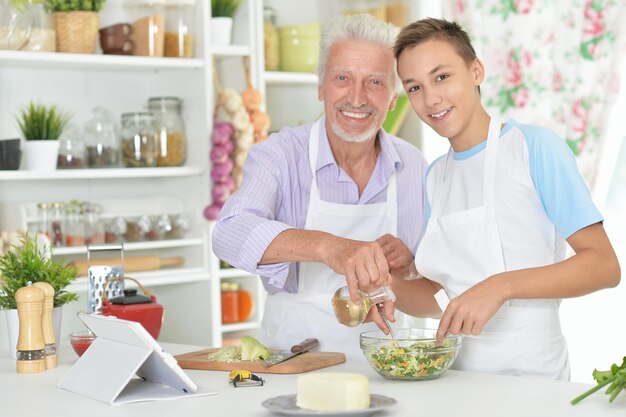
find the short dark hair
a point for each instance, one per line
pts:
(439, 29)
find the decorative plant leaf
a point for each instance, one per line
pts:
(26, 262)
(224, 8)
(41, 122)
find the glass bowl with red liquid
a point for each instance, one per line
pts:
(81, 341)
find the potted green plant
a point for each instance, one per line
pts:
(41, 125)
(31, 260)
(77, 23)
(222, 12)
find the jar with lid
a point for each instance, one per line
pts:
(270, 39)
(74, 224)
(179, 226)
(44, 219)
(179, 28)
(101, 140)
(57, 215)
(94, 227)
(162, 225)
(172, 140)
(72, 153)
(42, 35)
(136, 228)
(114, 230)
(148, 21)
(230, 302)
(139, 140)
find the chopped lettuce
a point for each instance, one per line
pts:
(250, 350)
(418, 360)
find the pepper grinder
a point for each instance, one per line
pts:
(49, 339)
(30, 344)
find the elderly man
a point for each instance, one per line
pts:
(333, 203)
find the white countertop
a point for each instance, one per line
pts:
(455, 394)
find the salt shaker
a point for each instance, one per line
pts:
(30, 342)
(50, 349)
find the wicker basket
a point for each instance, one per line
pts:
(77, 32)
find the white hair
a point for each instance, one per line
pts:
(358, 27)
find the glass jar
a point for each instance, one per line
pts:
(230, 302)
(57, 217)
(148, 21)
(94, 227)
(139, 140)
(72, 153)
(270, 39)
(101, 140)
(114, 230)
(44, 217)
(179, 226)
(162, 225)
(74, 224)
(172, 142)
(15, 24)
(42, 36)
(136, 228)
(179, 33)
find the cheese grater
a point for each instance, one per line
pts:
(98, 274)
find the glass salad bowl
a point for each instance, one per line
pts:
(414, 355)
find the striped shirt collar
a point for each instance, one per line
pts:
(388, 157)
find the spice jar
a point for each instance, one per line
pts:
(74, 224)
(148, 226)
(94, 227)
(179, 225)
(179, 16)
(172, 142)
(230, 302)
(72, 152)
(163, 225)
(148, 34)
(136, 228)
(57, 215)
(44, 225)
(101, 140)
(139, 140)
(114, 230)
(270, 39)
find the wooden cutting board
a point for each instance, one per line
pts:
(305, 362)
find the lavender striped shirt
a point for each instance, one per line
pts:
(274, 196)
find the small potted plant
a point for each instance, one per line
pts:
(222, 12)
(77, 24)
(41, 126)
(30, 260)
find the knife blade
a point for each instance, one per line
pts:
(283, 355)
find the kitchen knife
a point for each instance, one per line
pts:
(283, 355)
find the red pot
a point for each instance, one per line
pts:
(135, 307)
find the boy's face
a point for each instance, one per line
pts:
(358, 89)
(442, 87)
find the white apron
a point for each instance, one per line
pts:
(291, 318)
(516, 340)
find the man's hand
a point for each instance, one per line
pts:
(398, 256)
(469, 312)
(362, 263)
(375, 315)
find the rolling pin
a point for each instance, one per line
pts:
(132, 263)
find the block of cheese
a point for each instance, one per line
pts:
(333, 391)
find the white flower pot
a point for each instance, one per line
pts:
(40, 155)
(221, 30)
(13, 327)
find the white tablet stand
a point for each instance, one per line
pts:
(123, 350)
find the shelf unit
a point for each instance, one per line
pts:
(77, 83)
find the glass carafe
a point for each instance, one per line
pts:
(352, 314)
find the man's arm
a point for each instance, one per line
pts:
(362, 263)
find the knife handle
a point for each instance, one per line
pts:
(305, 345)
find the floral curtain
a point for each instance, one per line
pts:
(550, 62)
